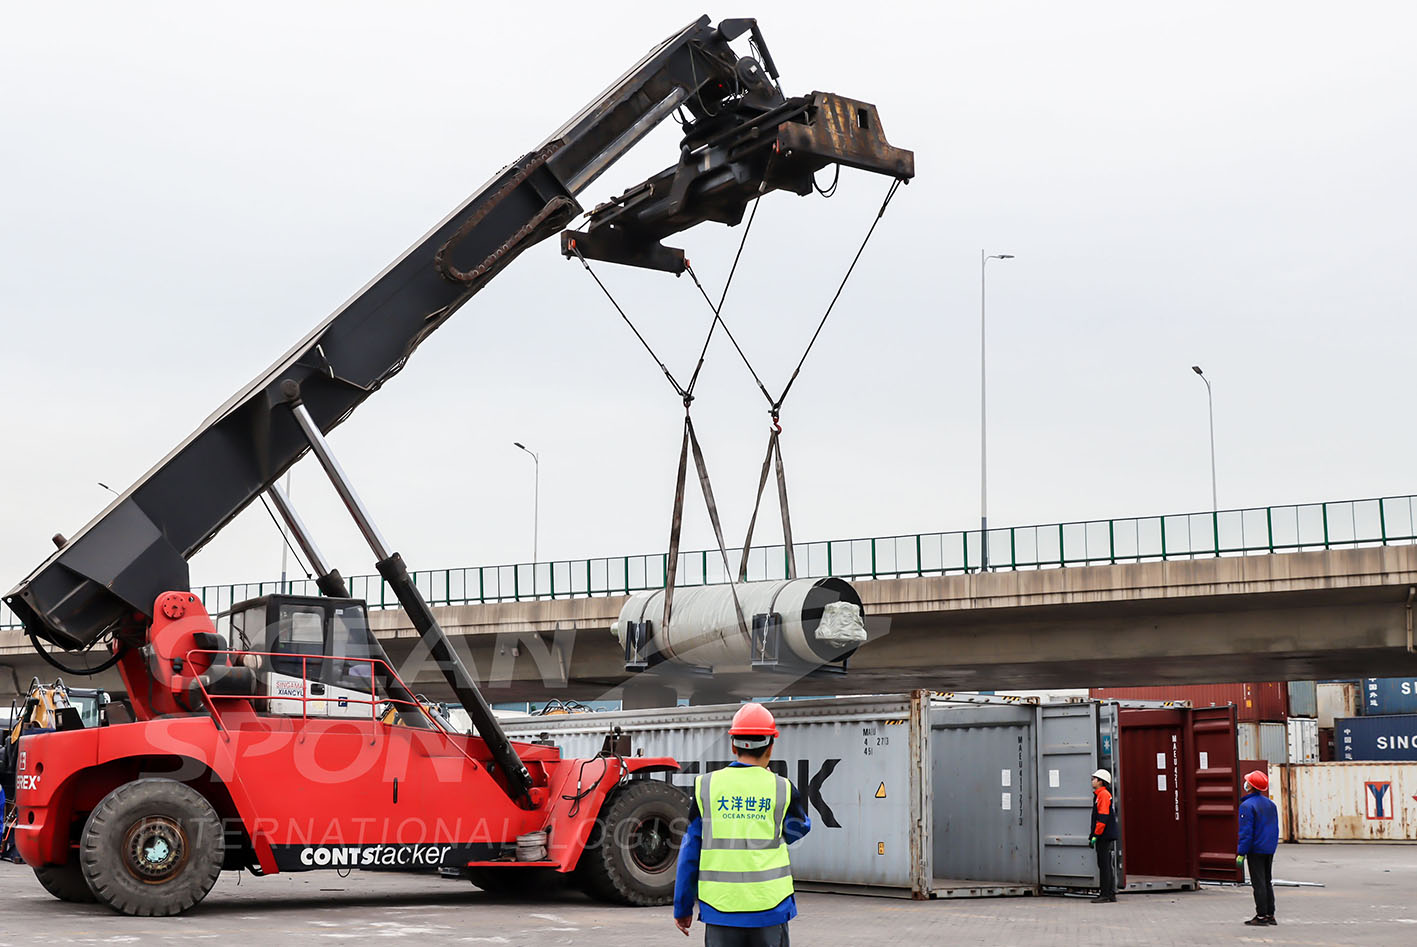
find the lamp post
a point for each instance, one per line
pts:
(983, 417)
(1210, 402)
(535, 508)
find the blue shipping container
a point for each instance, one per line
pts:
(1376, 738)
(1389, 695)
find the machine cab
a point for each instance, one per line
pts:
(307, 647)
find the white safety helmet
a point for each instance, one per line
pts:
(1103, 775)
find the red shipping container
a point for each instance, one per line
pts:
(1254, 702)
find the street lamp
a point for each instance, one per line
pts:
(1210, 401)
(536, 505)
(983, 431)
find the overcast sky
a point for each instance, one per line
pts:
(185, 190)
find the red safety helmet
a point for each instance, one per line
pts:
(752, 726)
(1257, 780)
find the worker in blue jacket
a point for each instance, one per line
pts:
(1259, 837)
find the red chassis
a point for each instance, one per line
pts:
(301, 793)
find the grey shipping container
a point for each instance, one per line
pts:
(1389, 695)
(1263, 741)
(1338, 699)
(908, 794)
(1392, 737)
(1303, 699)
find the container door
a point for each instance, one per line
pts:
(1216, 793)
(1154, 813)
(1109, 757)
(985, 807)
(1067, 755)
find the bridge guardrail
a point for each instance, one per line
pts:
(1266, 530)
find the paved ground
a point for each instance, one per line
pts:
(1369, 899)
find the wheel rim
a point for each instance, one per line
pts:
(651, 844)
(155, 849)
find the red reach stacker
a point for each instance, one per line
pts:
(277, 736)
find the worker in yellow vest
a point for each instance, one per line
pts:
(733, 858)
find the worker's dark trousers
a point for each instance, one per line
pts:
(1107, 880)
(717, 935)
(1262, 881)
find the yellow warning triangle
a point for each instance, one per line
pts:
(881, 791)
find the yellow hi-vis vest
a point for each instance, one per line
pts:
(743, 864)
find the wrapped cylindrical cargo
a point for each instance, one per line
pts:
(1389, 695)
(1264, 700)
(1303, 699)
(1338, 700)
(821, 621)
(1392, 737)
(1354, 801)
(1263, 741)
(1303, 740)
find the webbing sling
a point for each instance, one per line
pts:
(691, 442)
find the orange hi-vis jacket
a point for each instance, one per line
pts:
(1104, 814)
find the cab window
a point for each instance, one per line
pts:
(350, 641)
(300, 630)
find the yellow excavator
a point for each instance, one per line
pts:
(43, 707)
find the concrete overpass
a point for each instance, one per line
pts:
(1284, 616)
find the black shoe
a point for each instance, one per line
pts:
(1256, 921)
(1103, 899)
(1269, 919)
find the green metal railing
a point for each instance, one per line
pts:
(1259, 531)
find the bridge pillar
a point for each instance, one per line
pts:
(645, 695)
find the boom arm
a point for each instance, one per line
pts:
(108, 575)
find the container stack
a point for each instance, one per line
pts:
(1383, 725)
(1277, 720)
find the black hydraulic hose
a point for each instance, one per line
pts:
(80, 672)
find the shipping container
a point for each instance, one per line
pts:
(1354, 801)
(1179, 793)
(1303, 699)
(1338, 699)
(1389, 695)
(1303, 740)
(1326, 751)
(929, 797)
(1376, 738)
(1263, 741)
(1253, 702)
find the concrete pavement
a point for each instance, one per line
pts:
(1367, 900)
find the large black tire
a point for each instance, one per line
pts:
(152, 848)
(66, 882)
(634, 846)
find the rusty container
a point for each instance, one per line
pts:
(1354, 801)
(1254, 702)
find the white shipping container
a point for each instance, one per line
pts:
(1303, 740)
(1266, 741)
(1337, 701)
(1354, 801)
(926, 797)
